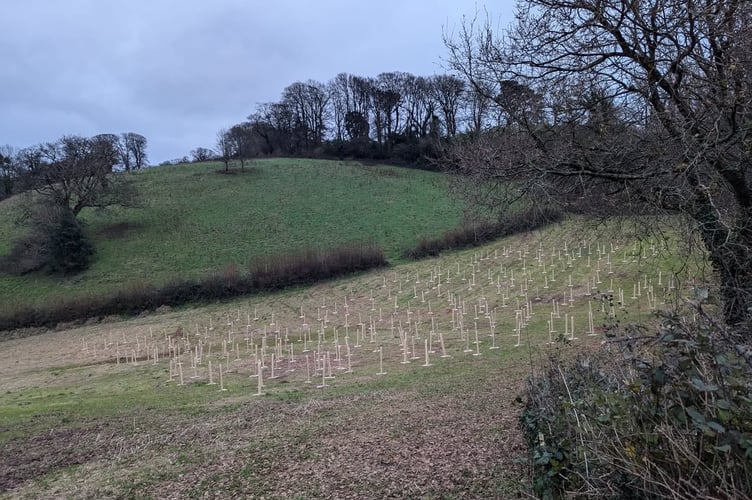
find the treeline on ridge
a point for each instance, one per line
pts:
(396, 117)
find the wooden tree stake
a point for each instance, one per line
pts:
(308, 370)
(221, 379)
(260, 385)
(381, 361)
(425, 344)
(443, 348)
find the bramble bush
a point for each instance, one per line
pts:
(666, 414)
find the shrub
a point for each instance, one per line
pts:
(68, 248)
(26, 255)
(480, 233)
(56, 244)
(308, 266)
(657, 416)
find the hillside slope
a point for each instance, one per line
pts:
(396, 383)
(195, 219)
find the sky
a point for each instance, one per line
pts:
(177, 71)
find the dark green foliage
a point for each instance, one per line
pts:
(360, 148)
(56, 244)
(480, 233)
(417, 153)
(7, 175)
(68, 248)
(356, 124)
(268, 274)
(657, 416)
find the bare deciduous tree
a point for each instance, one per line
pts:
(7, 170)
(135, 147)
(309, 104)
(202, 154)
(241, 142)
(224, 148)
(273, 124)
(131, 149)
(447, 91)
(76, 172)
(646, 102)
(338, 91)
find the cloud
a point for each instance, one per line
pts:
(177, 71)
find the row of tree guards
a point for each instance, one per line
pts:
(500, 298)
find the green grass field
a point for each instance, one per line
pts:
(194, 220)
(89, 412)
(168, 404)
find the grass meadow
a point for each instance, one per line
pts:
(400, 382)
(194, 220)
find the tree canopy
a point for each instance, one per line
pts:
(75, 172)
(632, 105)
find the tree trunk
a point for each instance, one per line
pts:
(736, 292)
(730, 251)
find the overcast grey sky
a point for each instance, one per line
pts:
(177, 71)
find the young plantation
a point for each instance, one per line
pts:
(399, 382)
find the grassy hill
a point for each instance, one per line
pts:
(136, 408)
(195, 219)
(423, 365)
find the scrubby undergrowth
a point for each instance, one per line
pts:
(664, 414)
